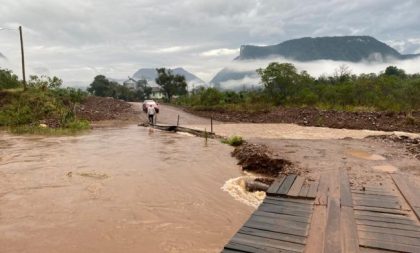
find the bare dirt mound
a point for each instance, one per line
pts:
(259, 159)
(104, 108)
(384, 121)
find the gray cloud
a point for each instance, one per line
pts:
(79, 39)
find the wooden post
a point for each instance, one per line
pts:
(23, 58)
(211, 124)
(177, 122)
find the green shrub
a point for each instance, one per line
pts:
(234, 141)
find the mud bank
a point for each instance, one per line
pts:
(105, 108)
(384, 121)
(260, 160)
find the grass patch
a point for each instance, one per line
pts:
(72, 128)
(234, 141)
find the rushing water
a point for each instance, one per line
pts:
(116, 190)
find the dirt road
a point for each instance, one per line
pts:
(169, 115)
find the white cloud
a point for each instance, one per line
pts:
(220, 52)
(117, 38)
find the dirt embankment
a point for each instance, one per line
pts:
(259, 159)
(412, 145)
(384, 121)
(105, 108)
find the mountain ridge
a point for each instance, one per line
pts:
(336, 48)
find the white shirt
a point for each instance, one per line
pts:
(151, 110)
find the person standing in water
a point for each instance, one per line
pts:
(151, 114)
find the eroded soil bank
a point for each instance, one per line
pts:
(384, 121)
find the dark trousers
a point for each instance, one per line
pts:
(151, 119)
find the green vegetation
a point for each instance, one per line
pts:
(234, 141)
(171, 84)
(44, 108)
(391, 90)
(103, 87)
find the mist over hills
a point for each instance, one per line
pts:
(150, 75)
(352, 49)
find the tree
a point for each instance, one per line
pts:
(44, 82)
(394, 71)
(8, 79)
(279, 80)
(143, 91)
(170, 83)
(102, 87)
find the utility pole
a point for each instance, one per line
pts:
(23, 58)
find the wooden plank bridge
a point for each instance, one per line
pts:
(328, 215)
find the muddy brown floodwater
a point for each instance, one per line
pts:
(116, 190)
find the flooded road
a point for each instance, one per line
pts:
(116, 190)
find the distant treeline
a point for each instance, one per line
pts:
(282, 84)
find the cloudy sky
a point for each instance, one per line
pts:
(79, 39)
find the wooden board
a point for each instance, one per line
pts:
(409, 191)
(382, 224)
(276, 228)
(243, 238)
(273, 235)
(332, 240)
(304, 191)
(285, 186)
(388, 246)
(296, 187)
(282, 210)
(384, 219)
(345, 192)
(379, 210)
(249, 247)
(313, 189)
(349, 237)
(317, 230)
(390, 231)
(390, 238)
(282, 216)
(275, 185)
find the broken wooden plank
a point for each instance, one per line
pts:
(276, 185)
(296, 187)
(385, 215)
(285, 186)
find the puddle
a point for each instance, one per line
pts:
(365, 155)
